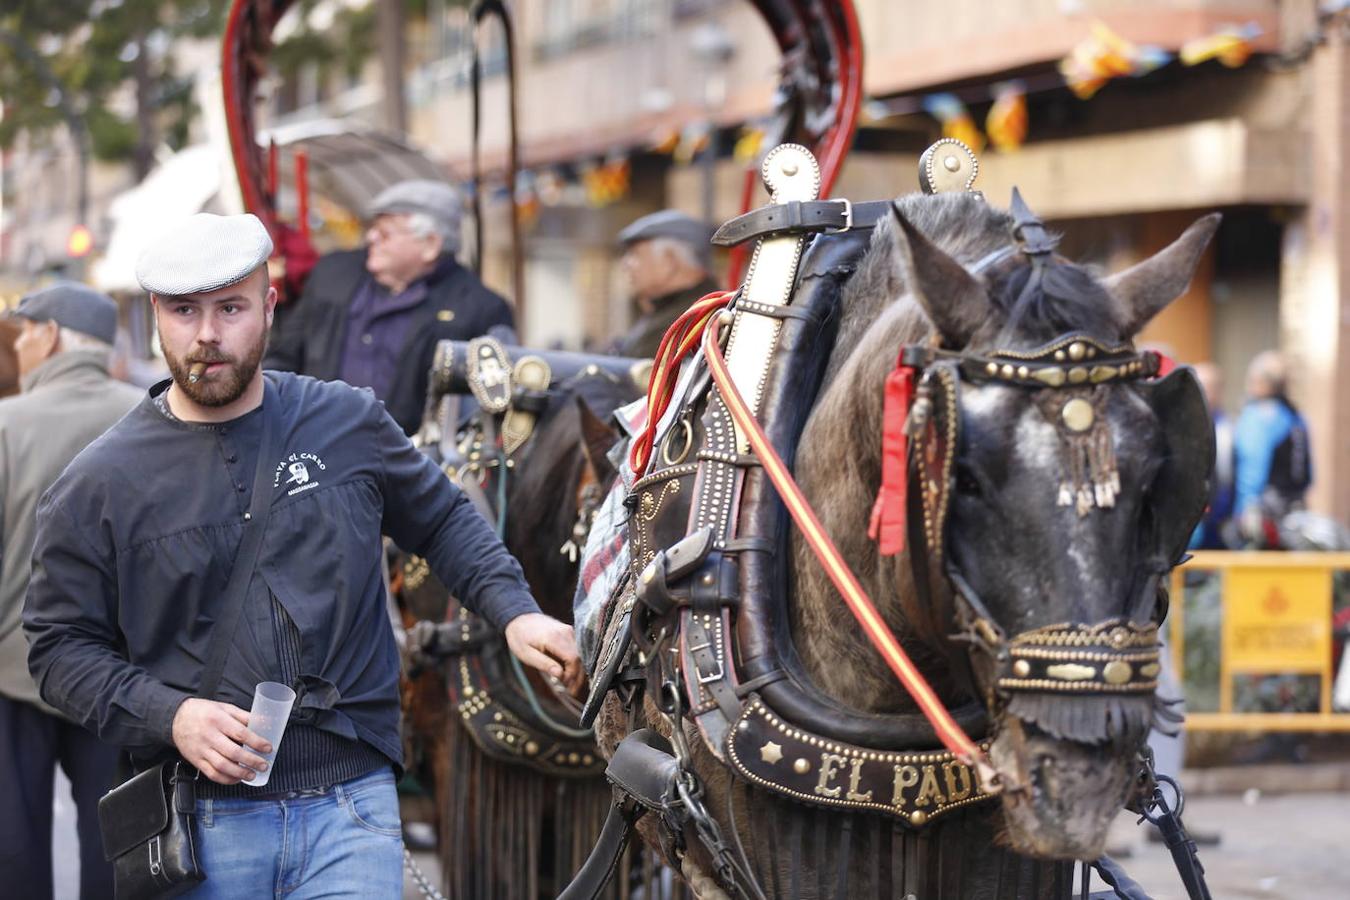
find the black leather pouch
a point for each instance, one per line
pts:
(147, 826)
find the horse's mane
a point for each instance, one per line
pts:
(968, 229)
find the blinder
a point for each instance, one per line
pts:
(1178, 497)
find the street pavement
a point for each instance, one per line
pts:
(1290, 846)
(1287, 846)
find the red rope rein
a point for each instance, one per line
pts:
(679, 340)
(948, 731)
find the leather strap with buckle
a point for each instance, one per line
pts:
(798, 216)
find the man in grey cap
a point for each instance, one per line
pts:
(666, 259)
(68, 399)
(372, 317)
(139, 537)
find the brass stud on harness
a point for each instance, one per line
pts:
(918, 817)
(1021, 668)
(801, 766)
(1117, 672)
(1077, 351)
(1053, 376)
(1070, 672)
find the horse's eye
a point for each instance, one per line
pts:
(966, 482)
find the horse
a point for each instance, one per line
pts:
(1038, 546)
(504, 829)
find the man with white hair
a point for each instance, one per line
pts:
(68, 399)
(666, 261)
(226, 532)
(372, 317)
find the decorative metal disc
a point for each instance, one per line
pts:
(947, 166)
(1078, 414)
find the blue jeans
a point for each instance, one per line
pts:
(345, 841)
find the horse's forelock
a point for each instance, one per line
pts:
(1068, 299)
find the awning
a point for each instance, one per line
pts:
(346, 170)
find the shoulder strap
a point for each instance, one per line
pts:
(245, 560)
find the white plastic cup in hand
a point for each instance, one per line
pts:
(271, 708)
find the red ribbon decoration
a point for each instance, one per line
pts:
(1165, 364)
(887, 526)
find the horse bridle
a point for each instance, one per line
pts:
(1116, 655)
(1113, 656)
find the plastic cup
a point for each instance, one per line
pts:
(271, 708)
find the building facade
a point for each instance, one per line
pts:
(1121, 173)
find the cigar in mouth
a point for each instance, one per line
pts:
(195, 373)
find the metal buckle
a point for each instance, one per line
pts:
(156, 859)
(711, 676)
(848, 216)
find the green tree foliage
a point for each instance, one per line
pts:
(113, 64)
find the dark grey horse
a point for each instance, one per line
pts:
(1070, 759)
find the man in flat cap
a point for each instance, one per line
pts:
(372, 317)
(67, 399)
(667, 262)
(137, 542)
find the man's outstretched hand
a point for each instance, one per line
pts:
(548, 645)
(213, 737)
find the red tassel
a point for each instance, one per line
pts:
(888, 513)
(1165, 364)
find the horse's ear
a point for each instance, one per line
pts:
(596, 440)
(1146, 287)
(954, 300)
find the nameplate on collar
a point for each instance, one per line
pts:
(914, 787)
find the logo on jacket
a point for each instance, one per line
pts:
(297, 465)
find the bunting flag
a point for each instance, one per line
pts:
(1007, 119)
(666, 141)
(527, 198)
(608, 182)
(1230, 45)
(1105, 55)
(955, 118)
(748, 144)
(693, 141)
(548, 186)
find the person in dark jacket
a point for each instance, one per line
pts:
(68, 399)
(138, 537)
(667, 262)
(372, 317)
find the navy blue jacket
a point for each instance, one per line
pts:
(310, 333)
(136, 540)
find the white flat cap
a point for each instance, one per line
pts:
(203, 253)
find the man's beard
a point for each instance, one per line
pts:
(219, 388)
